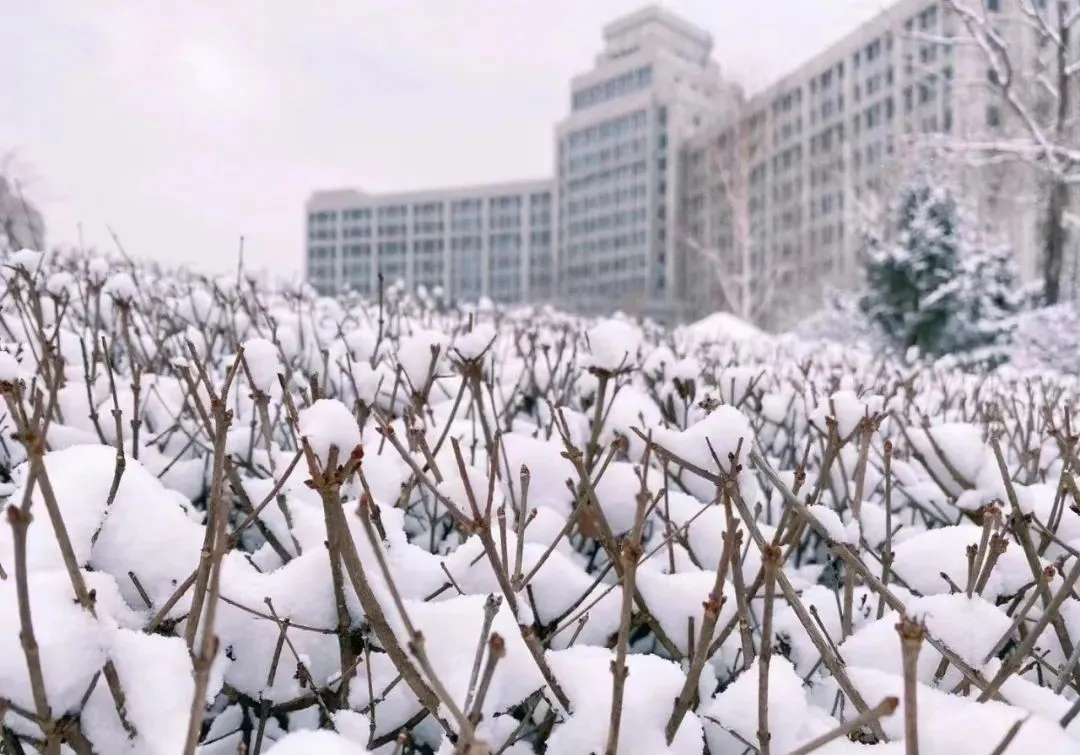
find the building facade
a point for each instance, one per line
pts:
(652, 87)
(675, 194)
(492, 241)
(775, 199)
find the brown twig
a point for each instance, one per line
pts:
(911, 640)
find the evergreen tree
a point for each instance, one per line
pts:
(934, 284)
(987, 299)
(910, 275)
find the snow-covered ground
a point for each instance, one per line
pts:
(245, 520)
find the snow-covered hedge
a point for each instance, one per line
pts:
(249, 520)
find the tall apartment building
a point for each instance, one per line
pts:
(774, 199)
(653, 86)
(491, 241)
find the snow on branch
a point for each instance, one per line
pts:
(242, 517)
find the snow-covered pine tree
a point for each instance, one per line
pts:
(911, 273)
(935, 284)
(987, 300)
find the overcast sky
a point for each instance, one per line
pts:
(184, 125)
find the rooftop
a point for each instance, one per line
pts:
(657, 14)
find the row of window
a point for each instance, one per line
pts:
(621, 175)
(593, 248)
(537, 240)
(599, 159)
(609, 129)
(619, 86)
(431, 227)
(464, 284)
(431, 211)
(611, 197)
(607, 222)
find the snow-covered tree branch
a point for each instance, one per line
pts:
(744, 277)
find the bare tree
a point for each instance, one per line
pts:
(728, 204)
(725, 241)
(1036, 93)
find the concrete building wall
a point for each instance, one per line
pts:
(465, 243)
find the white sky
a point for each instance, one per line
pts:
(184, 125)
